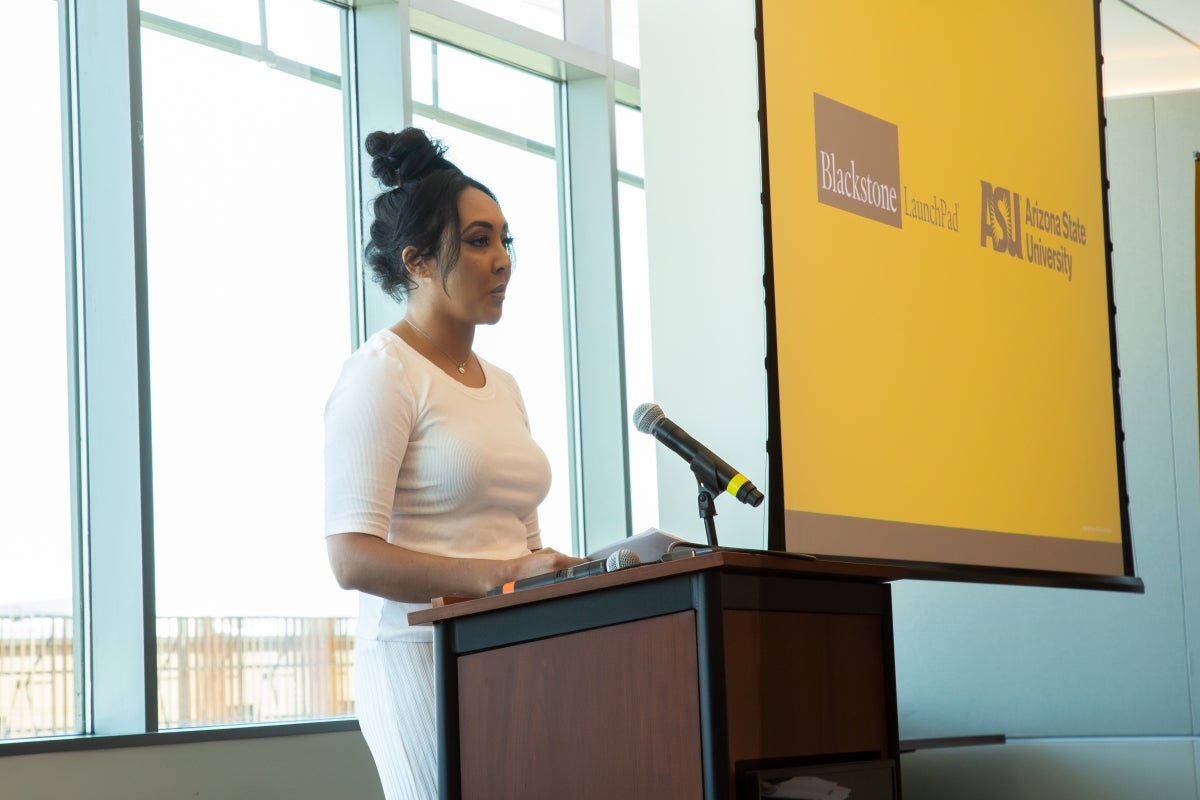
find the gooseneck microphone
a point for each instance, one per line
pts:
(710, 470)
(619, 559)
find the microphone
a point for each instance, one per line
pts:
(710, 470)
(618, 559)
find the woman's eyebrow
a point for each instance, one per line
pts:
(482, 223)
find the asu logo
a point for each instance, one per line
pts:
(1000, 219)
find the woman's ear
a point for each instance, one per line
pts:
(414, 262)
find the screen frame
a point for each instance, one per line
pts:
(949, 571)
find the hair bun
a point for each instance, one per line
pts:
(405, 156)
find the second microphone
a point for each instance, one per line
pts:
(617, 560)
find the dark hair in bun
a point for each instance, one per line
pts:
(397, 158)
(420, 209)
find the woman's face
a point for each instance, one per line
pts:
(474, 288)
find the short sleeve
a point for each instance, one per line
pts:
(368, 421)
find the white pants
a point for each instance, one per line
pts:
(394, 700)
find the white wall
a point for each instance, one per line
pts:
(1039, 664)
(705, 225)
(316, 767)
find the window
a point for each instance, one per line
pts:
(175, 321)
(37, 654)
(499, 123)
(512, 102)
(625, 34)
(233, 19)
(545, 16)
(249, 323)
(635, 298)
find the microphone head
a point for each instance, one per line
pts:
(646, 415)
(620, 559)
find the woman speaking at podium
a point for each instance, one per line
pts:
(432, 480)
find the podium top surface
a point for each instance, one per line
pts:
(724, 560)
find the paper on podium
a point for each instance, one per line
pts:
(650, 545)
(804, 787)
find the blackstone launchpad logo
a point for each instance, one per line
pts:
(858, 161)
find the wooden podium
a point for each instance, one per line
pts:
(665, 680)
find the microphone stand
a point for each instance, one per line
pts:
(708, 510)
(705, 472)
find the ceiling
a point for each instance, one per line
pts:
(1150, 46)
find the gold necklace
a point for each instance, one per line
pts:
(462, 368)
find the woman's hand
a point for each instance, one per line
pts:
(540, 562)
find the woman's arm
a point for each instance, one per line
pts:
(372, 565)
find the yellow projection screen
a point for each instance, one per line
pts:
(941, 343)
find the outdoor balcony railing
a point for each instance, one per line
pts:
(211, 671)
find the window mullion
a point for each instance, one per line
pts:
(603, 447)
(384, 102)
(588, 24)
(110, 192)
(603, 434)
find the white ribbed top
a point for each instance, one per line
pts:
(415, 457)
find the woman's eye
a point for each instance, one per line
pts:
(485, 241)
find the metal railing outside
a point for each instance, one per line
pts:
(37, 676)
(211, 671)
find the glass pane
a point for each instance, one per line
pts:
(635, 299)
(495, 94)
(625, 32)
(236, 18)
(249, 324)
(545, 16)
(528, 341)
(37, 662)
(305, 31)
(421, 52)
(639, 366)
(630, 155)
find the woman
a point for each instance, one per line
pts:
(432, 479)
